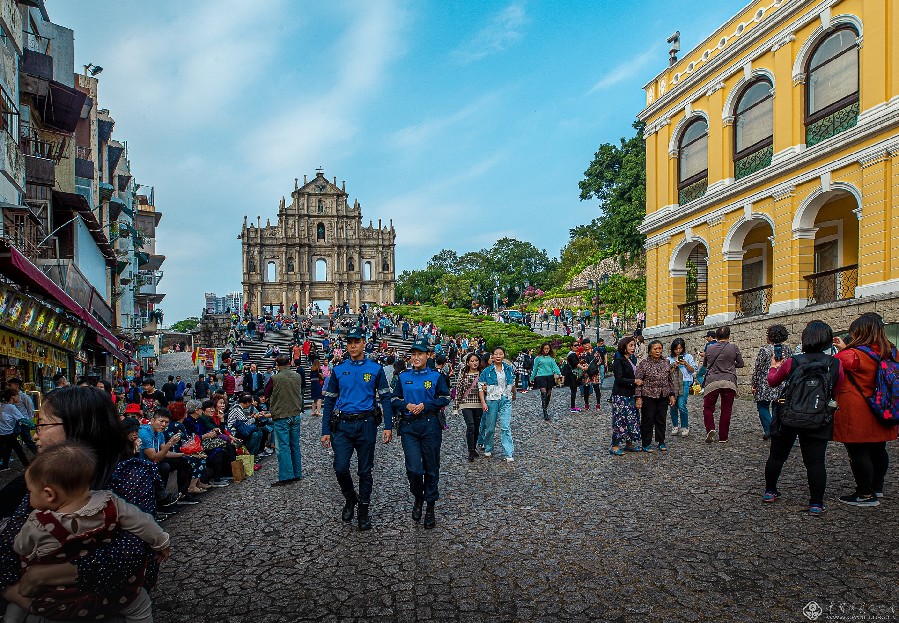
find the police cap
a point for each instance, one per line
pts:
(421, 345)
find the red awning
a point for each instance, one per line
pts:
(111, 349)
(20, 269)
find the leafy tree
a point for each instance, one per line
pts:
(623, 295)
(617, 179)
(446, 261)
(418, 285)
(187, 325)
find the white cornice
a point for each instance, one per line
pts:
(876, 124)
(693, 82)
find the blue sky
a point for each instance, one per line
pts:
(462, 121)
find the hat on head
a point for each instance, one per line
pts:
(132, 407)
(421, 345)
(355, 334)
(712, 333)
(130, 425)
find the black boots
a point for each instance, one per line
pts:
(544, 401)
(349, 509)
(364, 521)
(416, 509)
(430, 519)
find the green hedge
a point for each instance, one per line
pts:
(513, 337)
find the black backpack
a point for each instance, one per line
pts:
(806, 401)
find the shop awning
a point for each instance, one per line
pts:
(20, 269)
(110, 348)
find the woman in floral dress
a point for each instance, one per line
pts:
(625, 417)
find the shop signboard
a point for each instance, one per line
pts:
(146, 351)
(20, 347)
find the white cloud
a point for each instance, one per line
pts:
(504, 29)
(626, 70)
(323, 119)
(419, 134)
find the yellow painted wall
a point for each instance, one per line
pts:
(868, 242)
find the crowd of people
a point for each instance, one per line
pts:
(105, 454)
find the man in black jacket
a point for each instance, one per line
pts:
(254, 381)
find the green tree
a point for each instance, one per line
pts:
(446, 261)
(187, 325)
(623, 295)
(617, 179)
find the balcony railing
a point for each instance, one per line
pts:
(753, 301)
(831, 286)
(38, 146)
(693, 313)
(83, 152)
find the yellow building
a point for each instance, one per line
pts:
(772, 177)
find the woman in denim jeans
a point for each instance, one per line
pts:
(683, 362)
(764, 394)
(497, 391)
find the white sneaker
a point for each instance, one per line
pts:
(675, 430)
(510, 459)
(684, 432)
(488, 454)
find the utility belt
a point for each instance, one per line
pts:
(355, 417)
(339, 416)
(421, 416)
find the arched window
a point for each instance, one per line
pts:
(350, 265)
(321, 269)
(271, 272)
(366, 271)
(832, 103)
(693, 161)
(320, 235)
(753, 129)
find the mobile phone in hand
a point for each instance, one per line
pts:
(779, 352)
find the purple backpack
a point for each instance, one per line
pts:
(885, 401)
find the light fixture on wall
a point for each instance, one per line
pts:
(93, 69)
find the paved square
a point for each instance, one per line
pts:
(566, 533)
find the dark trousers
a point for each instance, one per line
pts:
(812, 456)
(28, 440)
(472, 426)
(869, 463)
(421, 445)
(218, 464)
(652, 417)
(590, 388)
(360, 436)
(8, 443)
(573, 389)
(182, 469)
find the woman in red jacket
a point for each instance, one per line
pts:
(854, 424)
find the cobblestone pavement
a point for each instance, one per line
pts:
(566, 533)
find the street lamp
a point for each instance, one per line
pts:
(601, 283)
(495, 294)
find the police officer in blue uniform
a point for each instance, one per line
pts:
(349, 422)
(420, 395)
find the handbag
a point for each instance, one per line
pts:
(193, 446)
(245, 430)
(248, 461)
(213, 443)
(237, 471)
